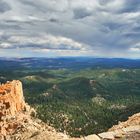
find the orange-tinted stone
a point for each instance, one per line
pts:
(11, 98)
(11, 104)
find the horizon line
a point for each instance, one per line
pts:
(68, 57)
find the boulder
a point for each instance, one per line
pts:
(92, 137)
(107, 135)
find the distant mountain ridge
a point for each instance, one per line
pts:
(76, 63)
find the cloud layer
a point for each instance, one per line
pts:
(49, 28)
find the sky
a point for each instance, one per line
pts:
(53, 28)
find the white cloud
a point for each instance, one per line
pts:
(4, 45)
(135, 49)
(83, 25)
(43, 41)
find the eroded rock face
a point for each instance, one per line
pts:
(11, 105)
(124, 130)
(131, 122)
(16, 121)
(11, 99)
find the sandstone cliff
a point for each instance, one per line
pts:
(11, 99)
(11, 103)
(16, 121)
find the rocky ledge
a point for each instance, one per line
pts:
(18, 122)
(17, 118)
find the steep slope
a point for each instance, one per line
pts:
(11, 99)
(16, 121)
(11, 103)
(128, 130)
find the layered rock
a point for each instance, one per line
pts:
(128, 130)
(16, 121)
(11, 99)
(131, 122)
(11, 104)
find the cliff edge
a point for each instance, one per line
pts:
(11, 103)
(17, 118)
(11, 99)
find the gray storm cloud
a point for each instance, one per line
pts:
(4, 7)
(96, 27)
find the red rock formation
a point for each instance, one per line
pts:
(16, 121)
(11, 98)
(11, 104)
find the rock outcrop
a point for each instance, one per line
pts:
(16, 121)
(128, 130)
(11, 99)
(11, 103)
